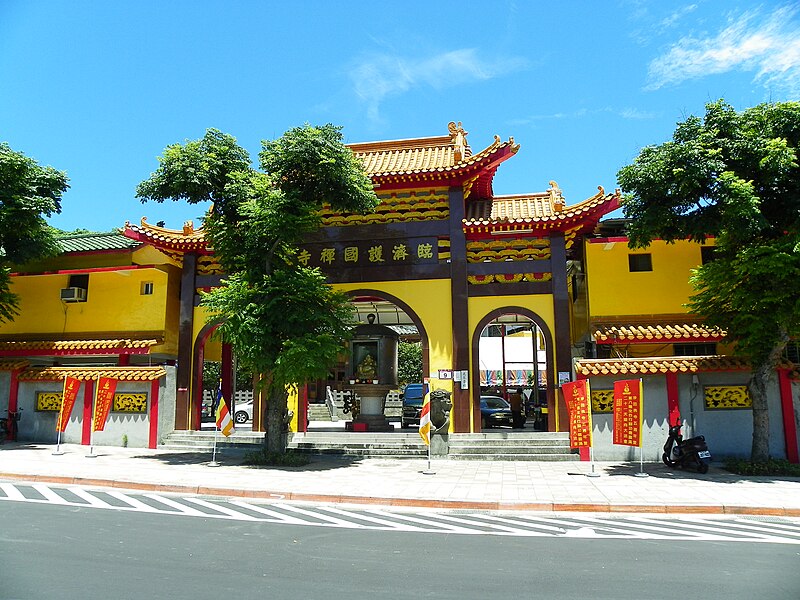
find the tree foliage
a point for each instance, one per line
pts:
(733, 176)
(29, 192)
(409, 362)
(281, 318)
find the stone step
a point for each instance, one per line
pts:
(515, 457)
(390, 452)
(498, 449)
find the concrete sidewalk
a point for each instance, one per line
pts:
(522, 485)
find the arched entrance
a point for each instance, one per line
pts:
(512, 353)
(379, 308)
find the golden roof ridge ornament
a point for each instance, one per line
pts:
(556, 197)
(458, 137)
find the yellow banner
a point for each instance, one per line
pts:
(102, 402)
(71, 386)
(579, 407)
(628, 412)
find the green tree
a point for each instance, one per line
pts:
(409, 362)
(29, 192)
(734, 176)
(280, 316)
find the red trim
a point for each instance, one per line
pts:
(153, 439)
(787, 410)
(13, 394)
(74, 352)
(683, 340)
(91, 270)
(124, 360)
(88, 405)
(608, 240)
(673, 400)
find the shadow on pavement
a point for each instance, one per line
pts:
(228, 458)
(716, 473)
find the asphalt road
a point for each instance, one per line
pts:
(66, 552)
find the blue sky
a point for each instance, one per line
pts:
(98, 89)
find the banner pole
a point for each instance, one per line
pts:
(91, 433)
(641, 472)
(58, 451)
(591, 460)
(214, 462)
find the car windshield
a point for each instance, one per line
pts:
(494, 402)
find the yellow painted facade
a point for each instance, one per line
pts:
(615, 291)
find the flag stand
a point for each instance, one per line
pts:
(58, 451)
(428, 471)
(641, 472)
(91, 447)
(91, 434)
(214, 462)
(592, 473)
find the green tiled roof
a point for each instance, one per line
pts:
(91, 242)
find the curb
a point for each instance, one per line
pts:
(710, 509)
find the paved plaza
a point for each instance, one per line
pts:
(520, 485)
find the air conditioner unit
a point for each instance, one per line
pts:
(73, 294)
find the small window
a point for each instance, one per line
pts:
(705, 349)
(147, 288)
(707, 253)
(792, 352)
(640, 262)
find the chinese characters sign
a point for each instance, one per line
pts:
(628, 412)
(71, 386)
(577, 397)
(373, 253)
(102, 402)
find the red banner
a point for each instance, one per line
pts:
(579, 407)
(102, 402)
(68, 396)
(628, 412)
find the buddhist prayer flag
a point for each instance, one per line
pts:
(102, 402)
(577, 397)
(71, 386)
(224, 421)
(628, 412)
(425, 422)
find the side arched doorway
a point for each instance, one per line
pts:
(512, 352)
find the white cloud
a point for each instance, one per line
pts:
(379, 77)
(623, 113)
(768, 45)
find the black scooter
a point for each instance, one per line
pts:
(682, 453)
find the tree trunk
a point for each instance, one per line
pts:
(276, 423)
(758, 392)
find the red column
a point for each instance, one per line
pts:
(13, 397)
(124, 360)
(302, 408)
(673, 404)
(88, 405)
(787, 411)
(153, 439)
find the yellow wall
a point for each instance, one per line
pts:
(430, 300)
(615, 291)
(115, 305)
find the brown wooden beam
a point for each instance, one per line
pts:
(522, 288)
(185, 328)
(511, 267)
(562, 323)
(459, 296)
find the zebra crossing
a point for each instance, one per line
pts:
(782, 530)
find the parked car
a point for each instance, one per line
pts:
(495, 411)
(243, 412)
(413, 396)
